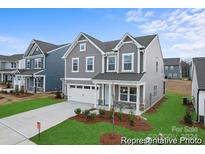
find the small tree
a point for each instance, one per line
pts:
(101, 112)
(131, 118)
(17, 89)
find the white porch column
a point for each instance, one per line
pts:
(96, 99)
(2, 77)
(103, 93)
(138, 99)
(110, 96)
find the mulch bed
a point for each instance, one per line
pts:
(194, 124)
(110, 139)
(155, 107)
(139, 125)
(22, 95)
(2, 97)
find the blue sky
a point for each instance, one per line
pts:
(181, 31)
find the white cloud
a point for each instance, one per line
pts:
(14, 45)
(138, 15)
(181, 31)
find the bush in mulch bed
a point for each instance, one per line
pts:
(2, 97)
(139, 123)
(155, 107)
(110, 139)
(194, 124)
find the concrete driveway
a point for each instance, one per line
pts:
(17, 129)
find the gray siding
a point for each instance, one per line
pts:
(90, 51)
(175, 70)
(54, 69)
(151, 77)
(128, 48)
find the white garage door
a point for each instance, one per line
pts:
(82, 93)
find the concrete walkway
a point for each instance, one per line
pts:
(17, 129)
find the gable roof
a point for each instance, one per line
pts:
(199, 64)
(108, 46)
(11, 58)
(45, 46)
(171, 61)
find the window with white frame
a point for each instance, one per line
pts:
(13, 65)
(38, 63)
(166, 67)
(90, 64)
(83, 47)
(128, 94)
(155, 91)
(28, 63)
(75, 64)
(39, 81)
(111, 63)
(175, 75)
(127, 62)
(171, 67)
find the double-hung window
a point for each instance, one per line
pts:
(83, 47)
(155, 90)
(111, 63)
(128, 62)
(128, 94)
(13, 65)
(90, 64)
(38, 63)
(75, 64)
(28, 63)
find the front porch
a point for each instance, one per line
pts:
(124, 96)
(32, 84)
(7, 77)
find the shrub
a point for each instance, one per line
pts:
(8, 85)
(11, 92)
(188, 118)
(131, 118)
(101, 112)
(16, 89)
(22, 89)
(92, 116)
(77, 111)
(58, 94)
(119, 116)
(86, 113)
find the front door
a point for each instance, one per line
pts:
(106, 94)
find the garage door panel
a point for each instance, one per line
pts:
(82, 95)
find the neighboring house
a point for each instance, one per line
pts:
(128, 72)
(198, 88)
(44, 67)
(172, 68)
(9, 66)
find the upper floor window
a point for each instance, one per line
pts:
(38, 63)
(28, 63)
(82, 46)
(157, 66)
(128, 62)
(166, 67)
(171, 67)
(90, 64)
(75, 64)
(13, 65)
(111, 63)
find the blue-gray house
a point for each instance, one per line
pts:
(172, 68)
(44, 67)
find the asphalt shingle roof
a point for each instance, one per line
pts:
(171, 61)
(11, 58)
(28, 72)
(200, 71)
(119, 76)
(109, 45)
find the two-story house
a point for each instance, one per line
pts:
(9, 66)
(128, 72)
(198, 87)
(44, 67)
(172, 68)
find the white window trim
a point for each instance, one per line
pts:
(86, 58)
(72, 64)
(115, 64)
(28, 60)
(132, 67)
(37, 61)
(128, 94)
(83, 44)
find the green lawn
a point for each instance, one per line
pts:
(73, 132)
(18, 107)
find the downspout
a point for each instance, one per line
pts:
(197, 110)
